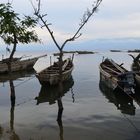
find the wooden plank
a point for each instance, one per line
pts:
(111, 69)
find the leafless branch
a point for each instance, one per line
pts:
(86, 16)
(44, 15)
(84, 20)
(49, 30)
(45, 24)
(32, 5)
(38, 9)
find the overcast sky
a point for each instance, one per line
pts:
(115, 18)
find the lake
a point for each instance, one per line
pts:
(91, 111)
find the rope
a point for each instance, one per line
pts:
(131, 123)
(20, 85)
(125, 115)
(25, 81)
(24, 102)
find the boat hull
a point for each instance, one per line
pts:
(136, 69)
(51, 74)
(110, 81)
(54, 79)
(115, 76)
(18, 65)
(137, 79)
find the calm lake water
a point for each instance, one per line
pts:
(91, 111)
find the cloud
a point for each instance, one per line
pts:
(118, 6)
(113, 28)
(115, 19)
(59, 35)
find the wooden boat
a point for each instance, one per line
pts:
(18, 65)
(137, 74)
(116, 76)
(136, 68)
(51, 74)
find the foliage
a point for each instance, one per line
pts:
(13, 29)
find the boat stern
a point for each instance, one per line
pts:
(127, 82)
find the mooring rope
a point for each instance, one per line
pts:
(25, 81)
(131, 123)
(124, 114)
(30, 99)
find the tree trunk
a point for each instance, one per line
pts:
(14, 47)
(12, 54)
(60, 65)
(13, 97)
(59, 118)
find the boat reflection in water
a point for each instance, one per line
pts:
(15, 76)
(53, 94)
(50, 93)
(120, 99)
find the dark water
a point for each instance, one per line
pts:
(91, 111)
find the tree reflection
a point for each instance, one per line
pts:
(10, 77)
(59, 118)
(1, 132)
(60, 110)
(13, 98)
(55, 93)
(13, 135)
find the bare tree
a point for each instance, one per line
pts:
(86, 16)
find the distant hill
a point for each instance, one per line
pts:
(90, 45)
(109, 44)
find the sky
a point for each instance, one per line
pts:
(116, 21)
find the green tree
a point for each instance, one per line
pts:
(14, 29)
